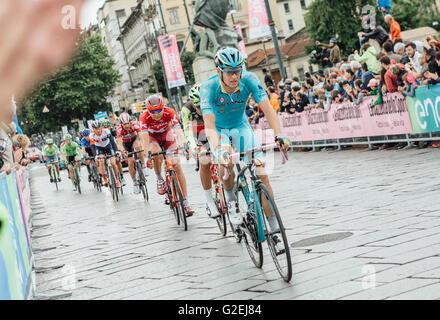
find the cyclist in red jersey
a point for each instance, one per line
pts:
(129, 139)
(157, 125)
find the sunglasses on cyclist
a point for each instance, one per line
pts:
(156, 111)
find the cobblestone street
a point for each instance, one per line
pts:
(362, 225)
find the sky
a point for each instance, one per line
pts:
(88, 14)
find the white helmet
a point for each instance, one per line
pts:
(124, 118)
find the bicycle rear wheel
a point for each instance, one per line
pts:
(281, 253)
(250, 236)
(178, 201)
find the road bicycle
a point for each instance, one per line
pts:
(255, 202)
(173, 188)
(218, 195)
(54, 173)
(140, 177)
(94, 175)
(111, 178)
(76, 174)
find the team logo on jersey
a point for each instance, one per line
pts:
(222, 110)
(222, 100)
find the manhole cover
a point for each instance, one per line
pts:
(321, 239)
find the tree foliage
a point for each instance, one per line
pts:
(76, 91)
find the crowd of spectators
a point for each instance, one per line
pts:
(13, 145)
(397, 67)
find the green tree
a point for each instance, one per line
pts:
(406, 13)
(78, 90)
(326, 19)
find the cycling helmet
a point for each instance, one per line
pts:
(124, 118)
(86, 132)
(67, 137)
(49, 141)
(154, 102)
(96, 124)
(229, 59)
(194, 94)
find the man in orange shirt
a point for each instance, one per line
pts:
(394, 28)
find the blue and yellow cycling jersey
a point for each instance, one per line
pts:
(229, 110)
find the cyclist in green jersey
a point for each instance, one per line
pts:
(71, 153)
(198, 145)
(51, 156)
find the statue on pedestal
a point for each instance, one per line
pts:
(211, 14)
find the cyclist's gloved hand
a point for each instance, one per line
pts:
(222, 157)
(284, 140)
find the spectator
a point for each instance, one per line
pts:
(388, 50)
(267, 79)
(394, 29)
(433, 77)
(356, 67)
(374, 32)
(399, 49)
(413, 56)
(367, 75)
(384, 6)
(373, 86)
(335, 51)
(301, 99)
(409, 84)
(274, 99)
(369, 57)
(20, 153)
(323, 56)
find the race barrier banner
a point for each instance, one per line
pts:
(424, 109)
(171, 60)
(345, 120)
(15, 262)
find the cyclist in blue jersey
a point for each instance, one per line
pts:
(223, 104)
(88, 149)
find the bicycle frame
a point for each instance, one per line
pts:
(255, 203)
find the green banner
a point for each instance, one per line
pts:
(424, 109)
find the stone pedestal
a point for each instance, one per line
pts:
(204, 68)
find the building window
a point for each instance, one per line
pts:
(174, 16)
(286, 7)
(120, 13)
(235, 5)
(180, 45)
(290, 23)
(303, 4)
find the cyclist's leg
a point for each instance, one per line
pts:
(225, 142)
(246, 141)
(137, 147)
(128, 146)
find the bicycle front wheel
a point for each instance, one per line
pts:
(250, 235)
(142, 181)
(178, 201)
(222, 208)
(276, 240)
(77, 180)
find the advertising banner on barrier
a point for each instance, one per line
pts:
(171, 60)
(258, 20)
(24, 193)
(424, 109)
(14, 247)
(344, 120)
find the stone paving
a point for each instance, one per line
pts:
(385, 204)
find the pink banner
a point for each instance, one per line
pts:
(258, 19)
(171, 60)
(241, 45)
(344, 120)
(24, 193)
